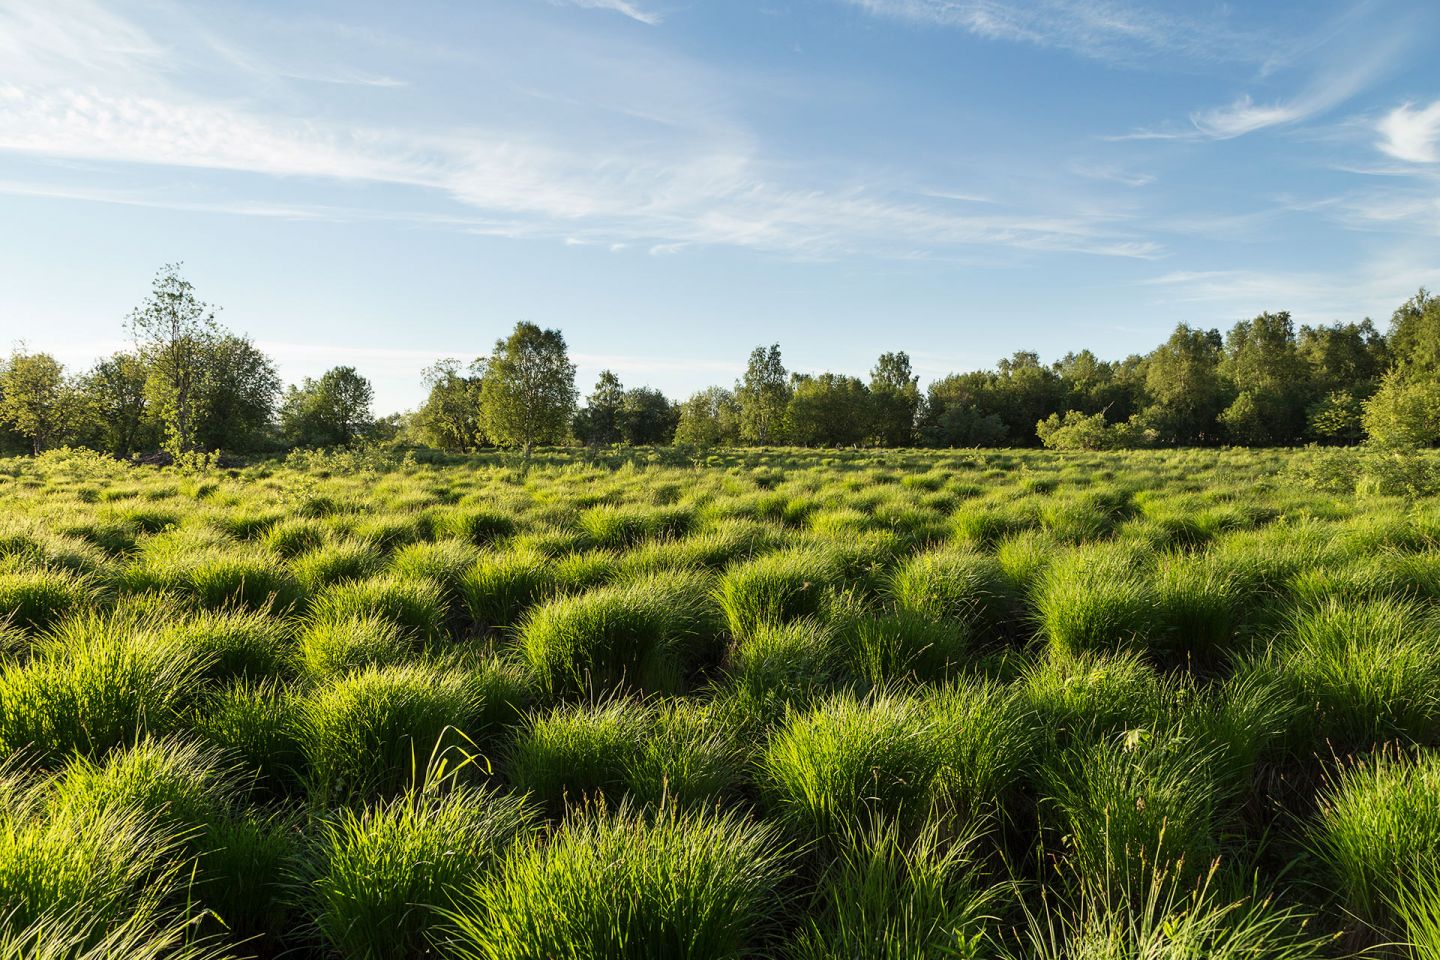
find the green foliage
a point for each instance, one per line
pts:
(620, 885)
(527, 392)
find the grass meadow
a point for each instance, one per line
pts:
(773, 703)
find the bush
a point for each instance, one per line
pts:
(378, 877)
(701, 886)
(648, 634)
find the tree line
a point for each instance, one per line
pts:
(190, 385)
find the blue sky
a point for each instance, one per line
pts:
(672, 182)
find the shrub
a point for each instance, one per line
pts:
(377, 877)
(647, 633)
(701, 886)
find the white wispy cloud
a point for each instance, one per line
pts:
(1411, 134)
(623, 7)
(707, 183)
(1100, 29)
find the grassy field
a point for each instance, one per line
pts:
(893, 705)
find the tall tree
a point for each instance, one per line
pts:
(527, 395)
(238, 394)
(450, 418)
(830, 410)
(894, 400)
(1183, 381)
(599, 422)
(116, 390)
(1415, 333)
(1264, 367)
(646, 417)
(174, 331)
(39, 401)
(1028, 392)
(331, 411)
(763, 396)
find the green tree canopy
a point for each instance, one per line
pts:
(527, 395)
(763, 396)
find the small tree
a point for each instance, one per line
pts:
(1405, 411)
(527, 395)
(38, 401)
(828, 410)
(894, 400)
(646, 417)
(450, 418)
(174, 331)
(709, 418)
(116, 391)
(763, 396)
(238, 394)
(599, 422)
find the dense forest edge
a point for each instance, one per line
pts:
(192, 388)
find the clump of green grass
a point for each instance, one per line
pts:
(696, 885)
(294, 536)
(1168, 921)
(499, 588)
(96, 864)
(1095, 599)
(621, 527)
(886, 895)
(39, 598)
(216, 570)
(1368, 671)
(444, 562)
(1129, 806)
(780, 663)
(901, 645)
(475, 525)
(780, 587)
(180, 783)
(378, 877)
(964, 586)
(234, 642)
(92, 684)
(1082, 697)
(257, 724)
(648, 634)
(331, 648)
(372, 733)
(647, 752)
(848, 760)
(417, 605)
(336, 562)
(1377, 830)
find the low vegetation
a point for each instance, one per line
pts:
(755, 703)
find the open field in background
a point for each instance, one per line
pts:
(873, 704)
